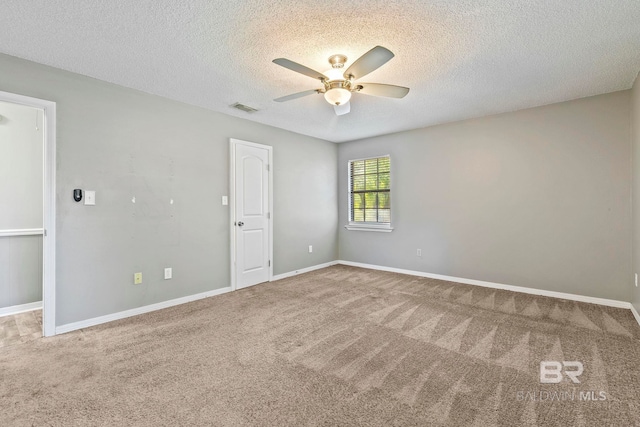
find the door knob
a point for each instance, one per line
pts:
(240, 224)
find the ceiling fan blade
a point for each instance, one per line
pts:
(377, 89)
(370, 61)
(296, 95)
(343, 109)
(298, 68)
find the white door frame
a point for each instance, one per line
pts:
(232, 203)
(49, 207)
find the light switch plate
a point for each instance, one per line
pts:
(225, 200)
(89, 198)
(168, 273)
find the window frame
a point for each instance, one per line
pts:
(362, 225)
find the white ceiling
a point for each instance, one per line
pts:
(461, 58)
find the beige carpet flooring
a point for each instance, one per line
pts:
(340, 346)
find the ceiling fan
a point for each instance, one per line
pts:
(337, 86)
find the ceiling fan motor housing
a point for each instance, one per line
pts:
(338, 91)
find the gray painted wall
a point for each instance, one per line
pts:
(123, 144)
(20, 270)
(635, 142)
(536, 198)
(21, 148)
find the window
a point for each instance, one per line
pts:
(370, 194)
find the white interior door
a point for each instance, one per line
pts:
(252, 224)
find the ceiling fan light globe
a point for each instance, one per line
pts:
(337, 96)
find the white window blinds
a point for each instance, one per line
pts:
(370, 190)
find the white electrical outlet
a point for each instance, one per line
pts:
(419, 252)
(137, 278)
(168, 273)
(310, 248)
(225, 200)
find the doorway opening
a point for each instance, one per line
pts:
(27, 226)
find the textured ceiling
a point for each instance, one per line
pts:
(461, 58)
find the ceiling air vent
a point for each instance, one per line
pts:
(244, 108)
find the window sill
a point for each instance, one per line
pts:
(363, 227)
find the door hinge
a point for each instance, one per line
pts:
(268, 215)
(268, 167)
(269, 263)
(45, 232)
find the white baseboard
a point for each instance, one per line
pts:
(158, 306)
(533, 291)
(165, 304)
(635, 314)
(140, 310)
(22, 308)
(303, 270)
